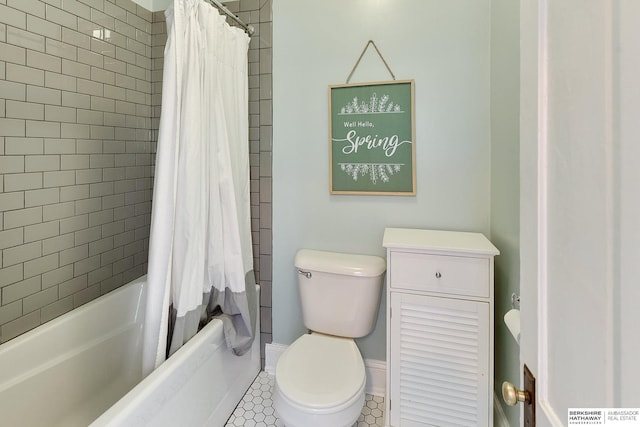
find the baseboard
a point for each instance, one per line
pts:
(499, 418)
(376, 377)
(272, 352)
(376, 370)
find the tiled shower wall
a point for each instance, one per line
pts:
(258, 14)
(80, 96)
(75, 154)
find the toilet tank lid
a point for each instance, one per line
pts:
(340, 263)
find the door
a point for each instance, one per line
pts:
(580, 210)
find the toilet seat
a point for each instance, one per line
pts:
(320, 381)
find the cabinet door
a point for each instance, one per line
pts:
(439, 361)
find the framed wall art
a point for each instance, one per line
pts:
(372, 138)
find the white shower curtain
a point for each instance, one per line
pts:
(200, 253)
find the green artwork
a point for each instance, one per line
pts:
(372, 141)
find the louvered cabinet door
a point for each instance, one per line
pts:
(439, 361)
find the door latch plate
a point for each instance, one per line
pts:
(530, 406)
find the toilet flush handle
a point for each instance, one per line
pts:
(306, 274)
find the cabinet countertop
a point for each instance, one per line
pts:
(438, 240)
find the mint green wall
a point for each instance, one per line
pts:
(505, 194)
(445, 47)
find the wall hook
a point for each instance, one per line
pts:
(515, 301)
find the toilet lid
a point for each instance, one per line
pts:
(320, 371)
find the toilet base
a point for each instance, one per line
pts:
(293, 414)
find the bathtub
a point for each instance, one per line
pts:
(84, 368)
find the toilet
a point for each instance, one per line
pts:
(320, 378)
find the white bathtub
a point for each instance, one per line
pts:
(84, 368)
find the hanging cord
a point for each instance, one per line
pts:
(362, 54)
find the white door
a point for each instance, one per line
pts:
(580, 210)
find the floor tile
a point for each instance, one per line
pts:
(256, 407)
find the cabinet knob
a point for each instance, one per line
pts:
(438, 275)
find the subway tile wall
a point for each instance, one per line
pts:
(258, 14)
(76, 154)
(80, 97)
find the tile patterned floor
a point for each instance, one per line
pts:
(256, 408)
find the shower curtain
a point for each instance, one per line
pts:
(200, 252)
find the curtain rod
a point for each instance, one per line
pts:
(247, 27)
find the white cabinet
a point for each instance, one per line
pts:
(439, 328)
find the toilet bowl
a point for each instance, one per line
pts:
(320, 378)
(320, 382)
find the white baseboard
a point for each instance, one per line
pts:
(499, 418)
(376, 377)
(272, 352)
(376, 369)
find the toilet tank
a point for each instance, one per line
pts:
(339, 293)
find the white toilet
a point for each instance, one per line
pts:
(320, 378)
